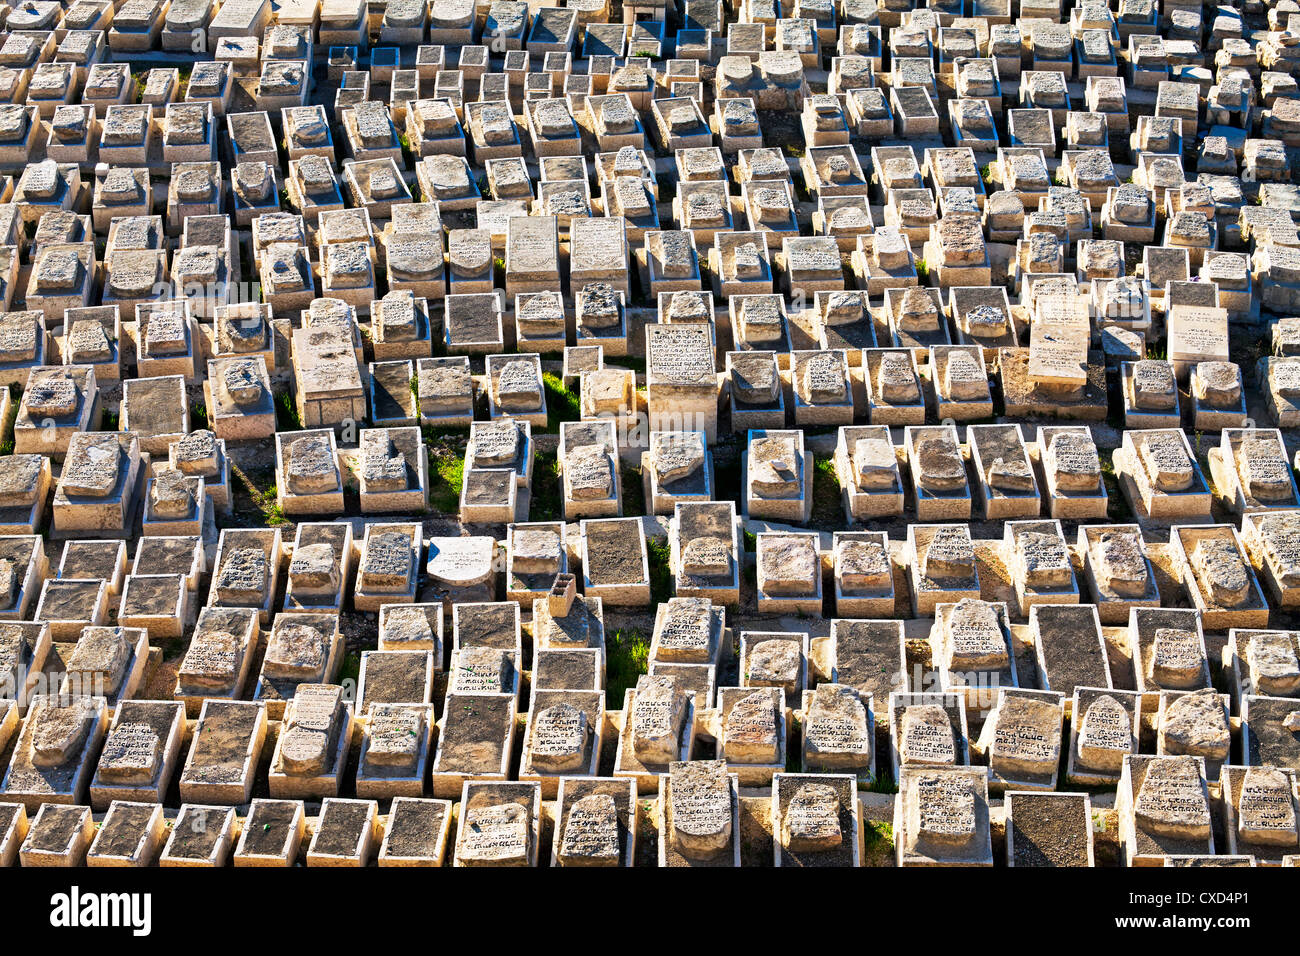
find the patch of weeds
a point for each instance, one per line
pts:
(546, 504)
(878, 843)
(264, 501)
(634, 362)
(826, 509)
(627, 657)
(7, 426)
(286, 414)
(751, 541)
(111, 421)
(795, 149)
(661, 572)
(793, 757)
(922, 270)
(633, 491)
(1117, 508)
(986, 173)
(562, 405)
(198, 417)
(351, 668)
(446, 476)
(883, 783)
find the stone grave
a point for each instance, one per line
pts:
(311, 750)
(941, 817)
(273, 834)
(1038, 558)
(416, 832)
(615, 562)
(937, 471)
(706, 551)
(320, 567)
(1021, 740)
(595, 822)
(1259, 812)
(562, 738)
(301, 649)
(1167, 647)
(309, 481)
(1049, 829)
(941, 561)
(1217, 576)
(1164, 809)
(131, 835)
(699, 815)
(755, 393)
(140, 753)
(58, 836)
(54, 751)
(789, 573)
(1104, 727)
(1251, 471)
(217, 662)
(500, 821)
(970, 643)
(1069, 648)
(1007, 487)
(1072, 474)
(1161, 478)
(57, 404)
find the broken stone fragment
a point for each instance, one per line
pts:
(171, 495)
(1196, 724)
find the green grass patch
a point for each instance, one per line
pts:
(751, 542)
(878, 842)
(661, 572)
(350, 670)
(198, 417)
(922, 270)
(111, 421)
(446, 476)
(633, 491)
(7, 426)
(627, 657)
(547, 504)
(634, 362)
(287, 418)
(562, 405)
(827, 509)
(264, 500)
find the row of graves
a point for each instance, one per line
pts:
(881, 236)
(959, 703)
